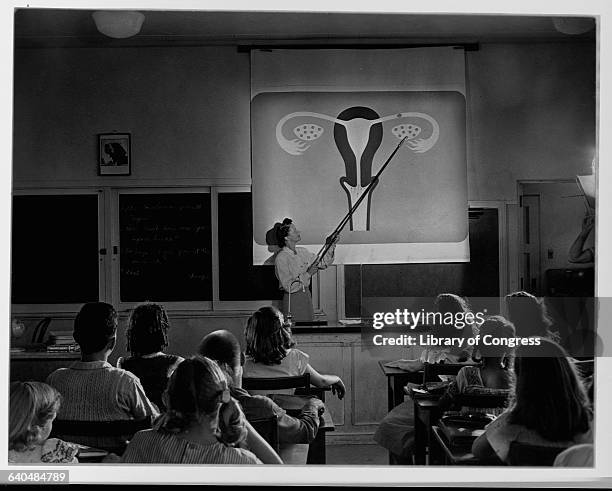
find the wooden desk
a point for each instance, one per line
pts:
(453, 455)
(36, 366)
(426, 412)
(293, 405)
(396, 380)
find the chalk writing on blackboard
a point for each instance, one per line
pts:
(165, 247)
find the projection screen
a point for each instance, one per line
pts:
(323, 122)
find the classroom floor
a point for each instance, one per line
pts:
(362, 454)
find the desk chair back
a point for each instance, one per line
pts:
(276, 383)
(268, 429)
(66, 429)
(300, 383)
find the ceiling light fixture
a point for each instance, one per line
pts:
(118, 24)
(573, 25)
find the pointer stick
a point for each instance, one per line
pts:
(330, 240)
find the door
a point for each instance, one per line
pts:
(530, 278)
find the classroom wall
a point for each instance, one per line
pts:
(560, 199)
(186, 330)
(186, 108)
(531, 114)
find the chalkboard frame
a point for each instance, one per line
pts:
(115, 293)
(28, 308)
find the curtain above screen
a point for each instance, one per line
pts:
(323, 122)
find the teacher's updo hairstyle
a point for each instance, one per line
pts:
(282, 230)
(198, 388)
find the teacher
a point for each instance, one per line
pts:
(294, 269)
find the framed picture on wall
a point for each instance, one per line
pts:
(114, 154)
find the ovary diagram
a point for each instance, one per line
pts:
(358, 134)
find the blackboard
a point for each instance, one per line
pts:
(54, 249)
(369, 285)
(165, 247)
(239, 279)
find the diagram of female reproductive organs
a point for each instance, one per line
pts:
(358, 134)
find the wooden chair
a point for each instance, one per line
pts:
(268, 429)
(276, 383)
(532, 455)
(300, 383)
(65, 429)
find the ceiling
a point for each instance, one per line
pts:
(75, 28)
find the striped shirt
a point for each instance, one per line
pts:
(162, 447)
(97, 391)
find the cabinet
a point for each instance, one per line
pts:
(365, 404)
(36, 366)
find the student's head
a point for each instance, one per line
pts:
(285, 230)
(449, 302)
(528, 314)
(495, 327)
(147, 329)
(267, 338)
(95, 327)
(33, 407)
(223, 347)
(451, 311)
(198, 395)
(549, 396)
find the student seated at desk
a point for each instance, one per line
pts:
(147, 337)
(452, 321)
(549, 408)
(396, 431)
(224, 348)
(492, 377)
(529, 316)
(92, 389)
(271, 352)
(203, 424)
(33, 407)
(453, 310)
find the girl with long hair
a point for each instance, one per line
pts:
(549, 405)
(271, 352)
(202, 424)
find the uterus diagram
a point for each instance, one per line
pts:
(358, 132)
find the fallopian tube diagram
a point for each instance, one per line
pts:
(358, 134)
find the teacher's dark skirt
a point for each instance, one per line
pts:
(301, 306)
